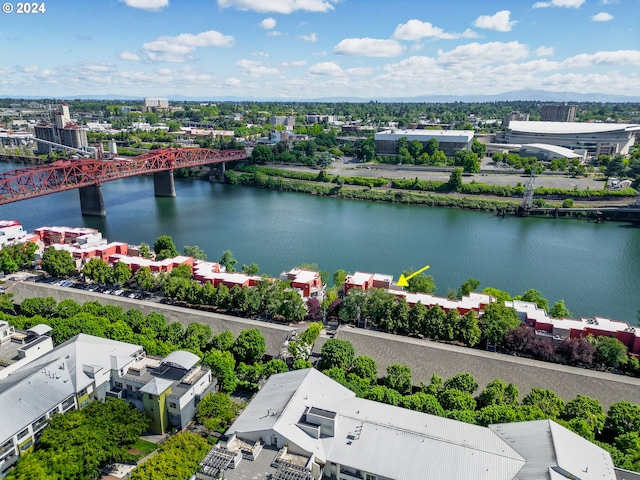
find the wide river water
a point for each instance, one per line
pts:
(595, 268)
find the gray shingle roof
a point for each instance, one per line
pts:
(25, 401)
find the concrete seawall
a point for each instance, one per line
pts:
(424, 357)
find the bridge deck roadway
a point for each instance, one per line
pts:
(424, 357)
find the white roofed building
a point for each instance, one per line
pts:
(86, 368)
(333, 434)
(450, 141)
(594, 138)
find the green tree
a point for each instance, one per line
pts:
(467, 329)
(249, 347)
(251, 269)
(228, 261)
(559, 310)
(586, 409)
(194, 251)
(546, 400)
(120, 273)
(181, 271)
(223, 341)
(144, 278)
(500, 295)
(179, 458)
(165, 248)
(454, 399)
(366, 368)
(622, 417)
(610, 352)
(480, 149)
(431, 146)
(455, 180)
(97, 270)
(535, 296)
(339, 276)
(421, 283)
(222, 366)
(144, 250)
(499, 393)
(337, 353)
(262, 154)
(467, 287)
(399, 378)
(462, 381)
(57, 262)
(497, 320)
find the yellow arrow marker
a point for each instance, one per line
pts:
(403, 281)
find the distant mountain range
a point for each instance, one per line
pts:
(513, 96)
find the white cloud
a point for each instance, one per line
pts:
(177, 49)
(500, 21)
(544, 51)
(368, 47)
(559, 3)
(326, 68)
(255, 69)
(417, 29)
(129, 56)
(618, 57)
(146, 4)
(96, 67)
(30, 69)
(232, 82)
(279, 6)
(474, 54)
(274, 33)
(312, 37)
(260, 54)
(295, 63)
(268, 23)
(602, 17)
(359, 71)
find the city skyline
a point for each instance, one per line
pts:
(306, 49)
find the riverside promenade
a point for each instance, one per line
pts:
(424, 357)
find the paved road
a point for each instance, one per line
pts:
(408, 171)
(423, 356)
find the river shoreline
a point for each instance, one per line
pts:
(268, 178)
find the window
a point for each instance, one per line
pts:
(172, 405)
(117, 384)
(26, 445)
(23, 434)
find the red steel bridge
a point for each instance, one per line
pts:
(25, 183)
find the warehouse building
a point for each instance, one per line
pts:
(450, 141)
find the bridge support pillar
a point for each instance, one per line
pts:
(164, 185)
(91, 203)
(216, 172)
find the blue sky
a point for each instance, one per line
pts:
(305, 49)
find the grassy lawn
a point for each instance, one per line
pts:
(144, 447)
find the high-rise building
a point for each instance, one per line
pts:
(60, 130)
(558, 113)
(152, 104)
(514, 117)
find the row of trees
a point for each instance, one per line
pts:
(618, 431)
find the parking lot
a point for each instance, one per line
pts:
(94, 287)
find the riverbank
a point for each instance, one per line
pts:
(502, 199)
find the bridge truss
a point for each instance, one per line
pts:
(61, 175)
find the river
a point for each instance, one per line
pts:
(594, 268)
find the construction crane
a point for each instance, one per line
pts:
(527, 200)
